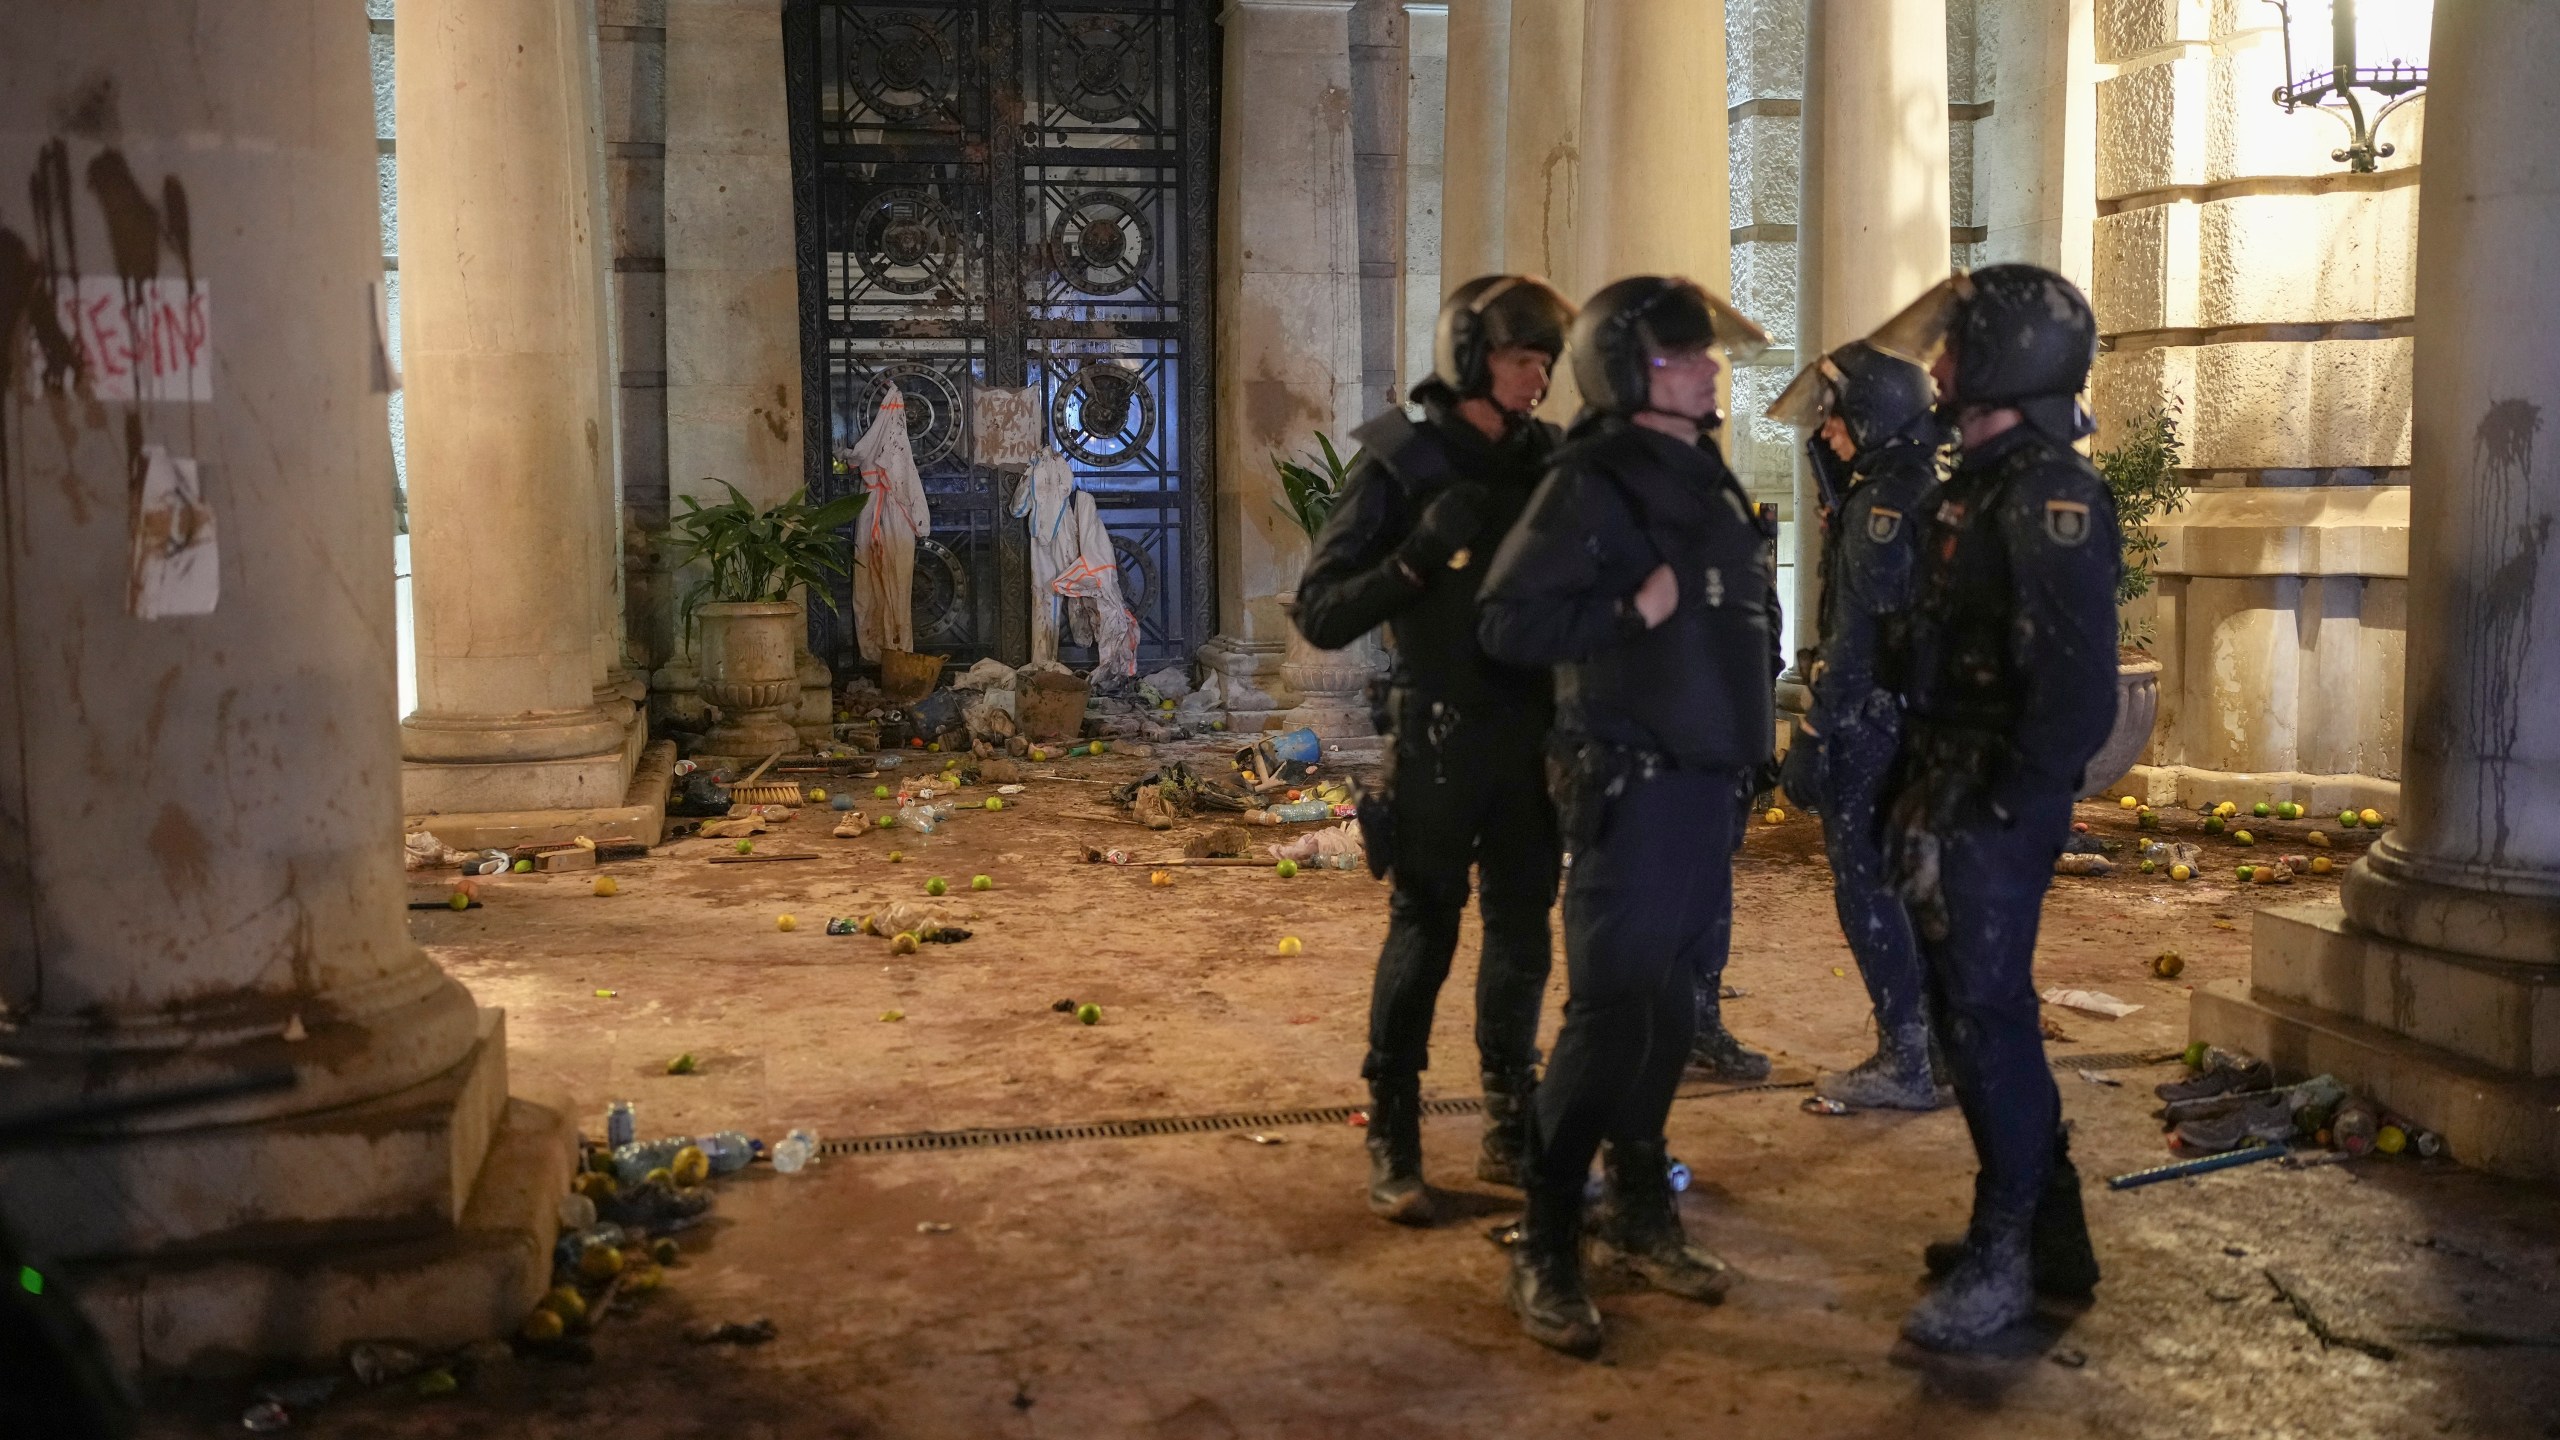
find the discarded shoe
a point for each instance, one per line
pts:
(2262, 1117)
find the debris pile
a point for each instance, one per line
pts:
(2231, 1101)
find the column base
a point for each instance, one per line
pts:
(302, 1296)
(2317, 794)
(2512, 915)
(641, 816)
(1249, 676)
(2318, 985)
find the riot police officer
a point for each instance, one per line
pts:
(1874, 451)
(1406, 546)
(1644, 574)
(2014, 671)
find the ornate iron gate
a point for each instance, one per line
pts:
(1009, 193)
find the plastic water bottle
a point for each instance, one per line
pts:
(621, 1124)
(633, 1162)
(728, 1151)
(797, 1150)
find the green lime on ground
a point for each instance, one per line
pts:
(2347, 818)
(746, 847)
(1287, 869)
(2195, 1054)
(981, 882)
(524, 867)
(1088, 1014)
(459, 901)
(994, 803)
(935, 886)
(879, 792)
(2262, 810)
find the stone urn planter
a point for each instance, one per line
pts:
(2137, 710)
(1332, 685)
(747, 651)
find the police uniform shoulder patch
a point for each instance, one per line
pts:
(2066, 522)
(1883, 525)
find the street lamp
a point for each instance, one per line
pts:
(2375, 52)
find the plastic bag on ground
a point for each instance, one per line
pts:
(923, 819)
(421, 850)
(1337, 842)
(987, 675)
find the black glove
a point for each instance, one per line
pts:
(1448, 525)
(1800, 774)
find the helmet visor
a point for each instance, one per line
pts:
(1808, 398)
(1920, 331)
(1685, 315)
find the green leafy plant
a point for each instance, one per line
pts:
(2142, 475)
(1313, 492)
(750, 554)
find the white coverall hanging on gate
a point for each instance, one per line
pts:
(893, 519)
(1072, 566)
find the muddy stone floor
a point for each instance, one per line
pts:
(1198, 1286)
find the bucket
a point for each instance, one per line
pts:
(906, 677)
(1052, 705)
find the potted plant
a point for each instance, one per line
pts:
(1331, 684)
(2142, 476)
(742, 610)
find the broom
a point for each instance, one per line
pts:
(771, 792)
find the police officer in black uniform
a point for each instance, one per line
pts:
(1407, 546)
(2014, 666)
(1874, 449)
(1644, 574)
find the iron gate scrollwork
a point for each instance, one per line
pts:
(1011, 193)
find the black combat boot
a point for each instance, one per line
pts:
(1396, 1191)
(1896, 1077)
(1508, 1095)
(1715, 1050)
(1990, 1289)
(1640, 1222)
(1545, 1284)
(2064, 1263)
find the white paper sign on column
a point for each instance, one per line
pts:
(176, 569)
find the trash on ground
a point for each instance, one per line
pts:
(2083, 865)
(1339, 847)
(1260, 1138)
(1824, 1105)
(2096, 1077)
(902, 917)
(379, 1362)
(2180, 1169)
(934, 1227)
(266, 1417)
(754, 1332)
(421, 850)
(797, 1152)
(2090, 1002)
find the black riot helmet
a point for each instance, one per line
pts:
(1490, 313)
(2021, 334)
(1631, 321)
(1881, 399)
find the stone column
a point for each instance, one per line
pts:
(500, 327)
(2473, 862)
(1288, 315)
(1542, 159)
(733, 288)
(200, 814)
(1655, 195)
(1379, 151)
(1476, 127)
(1425, 141)
(618, 689)
(2437, 990)
(1871, 220)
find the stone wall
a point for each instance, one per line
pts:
(2251, 287)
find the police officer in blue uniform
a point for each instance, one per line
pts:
(1644, 574)
(2014, 689)
(1407, 546)
(1874, 447)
